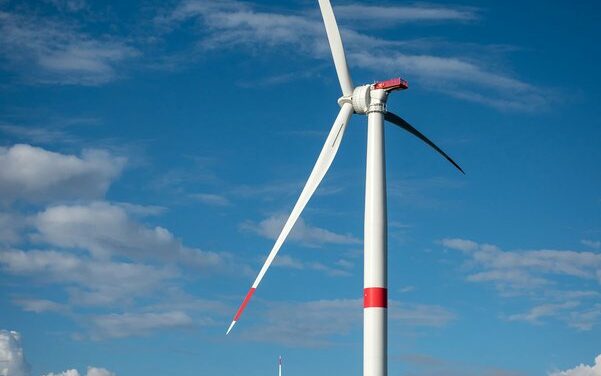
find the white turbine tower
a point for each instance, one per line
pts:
(367, 100)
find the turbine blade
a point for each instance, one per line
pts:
(328, 152)
(346, 84)
(397, 120)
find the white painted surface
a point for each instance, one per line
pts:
(375, 238)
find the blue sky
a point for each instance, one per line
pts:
(149, 154)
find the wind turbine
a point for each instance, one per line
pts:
(367, 100)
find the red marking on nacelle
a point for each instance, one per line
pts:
(244, 303)
(392, 84)
(375, 297)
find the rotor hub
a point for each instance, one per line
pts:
(361, 98)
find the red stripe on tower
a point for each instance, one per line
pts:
(244, 303)
(375, 297)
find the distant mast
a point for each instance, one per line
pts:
(280, 366)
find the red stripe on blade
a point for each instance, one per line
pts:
(244, 303)
(375, 297)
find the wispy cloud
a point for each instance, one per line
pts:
(70, 5)
(420, 192)
(392, 15)
(326, 322)
(44, 50)
(37, 135)
(39, 305)
(534, 274)
(340, 269)
(428, 365)
(594, 244)
(302, 232)
(211, 199)
(458, 77)
(525, 269)
(231, 24)
(137, 324)
(545, 310)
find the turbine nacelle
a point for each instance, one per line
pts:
(368, 98)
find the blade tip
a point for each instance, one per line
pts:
(230, 328)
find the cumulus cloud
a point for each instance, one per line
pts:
(302, 232)
(92, 371)
(89, 282)
(106, 229)
(582, 370)
(44, 50)
(34, 174)
(12, 359)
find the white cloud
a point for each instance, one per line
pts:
(342, 266)
(69, 372)
(38, 305)
(231, 24)
(460, 244)
(49, 51)
(35, 174)
(594, 244)
(456, 76)
(302, 232)
(585, 319)
(92, 371)
(106, 229)
(38, 135)
(211, 199)
(400, 14)
(525, 269)
(12, 359)
(69, 5)
(544, 310)
(419, 314)
(582, 370)
(89, 282)
(534, 274)
(136, 324)
(11, 225)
